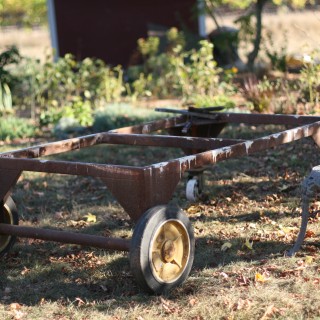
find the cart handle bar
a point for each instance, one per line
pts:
(66, 237)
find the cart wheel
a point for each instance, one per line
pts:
(194, 188)
(162, 249)
(9, 215)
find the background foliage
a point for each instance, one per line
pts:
(23, 12)
(67, 93)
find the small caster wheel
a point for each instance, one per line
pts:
(194, 188)
(9, 215)
(162, 249)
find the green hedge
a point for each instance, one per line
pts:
(15, 128)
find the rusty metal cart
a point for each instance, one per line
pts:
(162, 246)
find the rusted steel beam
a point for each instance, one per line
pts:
(208, 158)
(256, 119)
(8, 180)
(248, 118)
(68, 167)
(127, 184)
(94, 139)
(66, 237)
(116, 138)
(168, 141)
(54, 147)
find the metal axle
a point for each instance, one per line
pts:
(66, 237)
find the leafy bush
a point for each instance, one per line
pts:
(13, 128)
(176, 72)
(200, 101)
(62, 83)
(67, 88)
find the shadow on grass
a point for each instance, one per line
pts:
(63, 275)
(51, 272)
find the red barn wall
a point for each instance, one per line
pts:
(109, 29)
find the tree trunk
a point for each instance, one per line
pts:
(256, 44)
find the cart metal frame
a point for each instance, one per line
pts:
(137, 189)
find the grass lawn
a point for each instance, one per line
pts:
(250, 207)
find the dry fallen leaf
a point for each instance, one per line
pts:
(226, 246)
(193, 209)
(25, 271)
(309, 234)
(80, 302)
(270, 311)
(259, 278)
(308, 259)
(168, 306)
(77, 224)
(242, 304)
(60, 215)
(18, 315)
(248, 244)
(15, 306)
(192, 301)
(91, 217)
(15, 309)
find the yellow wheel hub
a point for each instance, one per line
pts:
(7, 218)
(169, 251)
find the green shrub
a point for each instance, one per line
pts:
(13, 128)
(218, 100)
(65, 85)
(177, 72)
(67, 88)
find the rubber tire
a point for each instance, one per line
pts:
(192, 190)
(11, 208)
(143, 234)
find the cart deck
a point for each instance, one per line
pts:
(162, 246)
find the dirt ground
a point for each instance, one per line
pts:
(31, 42)
(300, 30)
